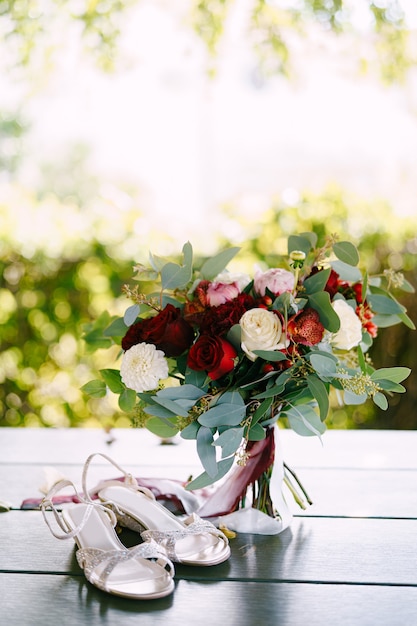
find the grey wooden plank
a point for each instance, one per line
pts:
(371, 551)
(28, 600)
(338, 449)
(335, 492)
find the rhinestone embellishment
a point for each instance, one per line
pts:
(168, 538)
(89, 558)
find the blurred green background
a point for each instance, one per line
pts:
(68, 245)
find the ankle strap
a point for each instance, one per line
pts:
(48, 504)
(129, 480)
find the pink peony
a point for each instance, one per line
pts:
(276, 280)
(219, 293)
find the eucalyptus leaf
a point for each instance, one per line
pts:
(388, 385)
(317, 282)
(262, 410)
(346, 271)
(346, 252)
(229, 441)
(131, 314)
(319, 391)
(234, 336)
(384, 321)
(187, 391)
(328, 316)
(147, 397)
(366, 341)
(365, 285)
(174, 276)
(305, 421)
(216, 264)
(269, 355)
(190, 431)
(395, 374)
(173, 406)
(223, 415)
(161, 427)
(277, 388)
(407, 321)
(197, 379)
(381, 401)
(283, 302)
(187, 251)
(206, 451)
(255, 383)
(231, 397)
(324, 366)
(167, 298)
(300, 242)
(407, 286)
(116, 329)
(384, 304)
(361, 360)
(354, 399)
(256, 433)
(157, 262)
(204, 479)
(159, 411)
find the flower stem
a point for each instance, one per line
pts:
(288, 470)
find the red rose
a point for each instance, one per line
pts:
(213, 355)
(332, 284)
(305, 327)
(218, 320)
(167, 330)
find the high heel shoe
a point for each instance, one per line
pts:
(143, 572)
(193, 541)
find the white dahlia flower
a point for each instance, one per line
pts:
(143, 366)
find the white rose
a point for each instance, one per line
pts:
(261, 330)
(349, 334)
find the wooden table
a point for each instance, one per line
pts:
(350, 559)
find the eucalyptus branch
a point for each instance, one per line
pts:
(140, 298)
(320, 255)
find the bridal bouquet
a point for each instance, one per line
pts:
(220, 357)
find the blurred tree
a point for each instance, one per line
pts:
(30, 30)
(55, 282)
(12, 130)
(48, 300)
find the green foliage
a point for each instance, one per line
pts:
(12, 130)
(30, 27)
(271, 29)
(45, 305)
(48, 303)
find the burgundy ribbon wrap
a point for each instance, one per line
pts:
(227, 496)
